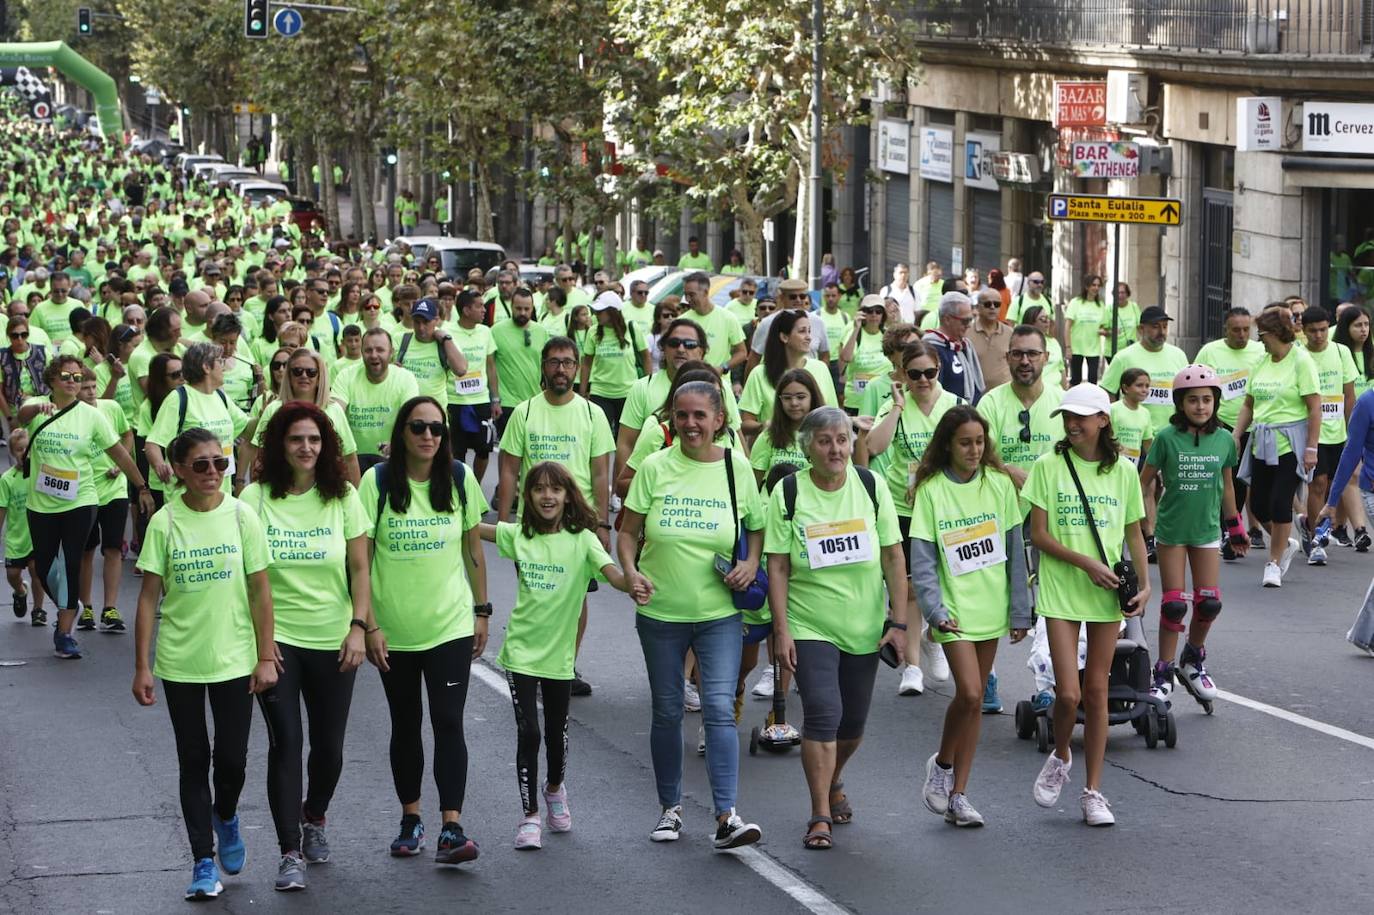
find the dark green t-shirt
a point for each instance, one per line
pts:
(1190, 510)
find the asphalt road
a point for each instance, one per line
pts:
(1251, 812)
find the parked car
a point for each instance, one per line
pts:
(722, 284)
(187, 162)
(531, 274)
(304, 213)
(258, 191)
(458, 255)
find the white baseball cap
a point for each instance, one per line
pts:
(1086, 399)
(607, 299)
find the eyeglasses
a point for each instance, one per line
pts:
(1024, 419)
(918, 374)
(420, 427)
(1017, 355)
(639, 292)
(964, 321)
(1035, 282)
(278, 366)
(203, 465)
(681, 342)
(560, 363)
(78, 377)
(565, 279)
(303, 371)
(19, 335)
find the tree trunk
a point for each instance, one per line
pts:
(486, 226)
(362, 189)
(752, 242)
(801, 251)
(327, 191)
(305, 152)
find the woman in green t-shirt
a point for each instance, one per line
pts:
(615, 355)
(787, 347)
(797, 395)
(556, 551)
(968, 564)
(1083, 319)
(1077, 587)
(861, 358)
(322, 606)
(429, 594)
(205, 559)
(833, 543)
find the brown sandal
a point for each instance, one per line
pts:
(839, 808)
(818, 841)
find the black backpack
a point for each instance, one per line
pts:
(183, 398)
(789, 491)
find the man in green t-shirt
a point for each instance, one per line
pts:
(372, 395)
(1020, 413)
(54, 315)
(1336, 375)
(519, 341)
(1162, 360)
(724, 336)
(474, 399)
(695, 259)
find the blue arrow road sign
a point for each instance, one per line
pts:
(287, 22)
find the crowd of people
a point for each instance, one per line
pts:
(293, 445)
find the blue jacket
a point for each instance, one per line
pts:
(1359, 447)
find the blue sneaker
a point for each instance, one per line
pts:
(411, 839)
(204, 880)
(65, 647)
(992, 703)
(1042, 701)
(231, 849)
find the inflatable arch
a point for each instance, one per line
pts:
(78, 69)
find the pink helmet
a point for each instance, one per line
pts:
(1196, 376)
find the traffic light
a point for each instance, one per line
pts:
(83, 20)
(255, 18)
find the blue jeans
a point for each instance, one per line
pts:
(717, 644)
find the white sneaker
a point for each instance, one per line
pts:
(1053, 776)
(933, 660)
(1096, 810)
(913, 681)
(1288, 553)
(615, 503)
(764, 688)
(669, 826)
(691, 699)
(1273, 576)
(961, 812)
(1317, 557)
(939, 781)
(701, 740)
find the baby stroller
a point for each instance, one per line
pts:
(1129, 700)
(776, 735)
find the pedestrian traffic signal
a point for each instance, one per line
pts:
(83, 20)
(255, 18)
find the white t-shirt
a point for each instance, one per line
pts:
(906, 301)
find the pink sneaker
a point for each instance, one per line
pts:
(560, 817)
(527, 834)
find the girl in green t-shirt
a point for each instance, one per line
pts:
(969, 565)
(1077, 587)
(1134, 430)
(14, 497)
(1194, 457)
(615, 355)
(797, 395)
(556, 551)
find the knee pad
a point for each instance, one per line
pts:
(1173, 609)
(1208, 604)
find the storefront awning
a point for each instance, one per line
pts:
(1324, 171)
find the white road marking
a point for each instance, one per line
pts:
(805, 895)
(1320, 727)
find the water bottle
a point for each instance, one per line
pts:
(1322, 536)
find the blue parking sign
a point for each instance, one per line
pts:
(1059, 207)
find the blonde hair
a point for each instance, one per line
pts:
(322, 388)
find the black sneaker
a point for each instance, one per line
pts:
(580, 687)
(1304, 534)
(412, 838)
(1342, 536)
(1362, 540)
(21, 604)
(38, 618)
(734, 832)
(1256, 538)
(1151, 551)
(454, 847)
(86, 622)
(1228, 552)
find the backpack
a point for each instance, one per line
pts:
(789, 491)
(405, 345)
(183, 398)
(459, 477)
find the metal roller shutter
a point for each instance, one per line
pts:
(897, 224)
(939, 224)
(987, 229)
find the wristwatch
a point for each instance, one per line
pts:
(889, 624)
(361, 624)
(482, 610)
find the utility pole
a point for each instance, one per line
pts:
(816, 212)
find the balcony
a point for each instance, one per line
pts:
(1329, 29)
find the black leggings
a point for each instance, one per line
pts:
(1241, 488)
(612, 407)
(1076, 363)
(1272, 487)
(231, 706)
(312, 674)
(65, 533)
(524, 693)
(445, 669)
(836, 690)
(108, 530)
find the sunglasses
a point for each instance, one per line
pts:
(203, 465)
(1024, 419)
(917, 374)
(20, 335)
(372, 308)
(278, 366)
(682, 342)
(71, 376)
(1037, 282)
(874, 310)
(420, 427)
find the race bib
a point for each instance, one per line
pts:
(1161, 392)
(58, 483)
(838, 543)
(229, 453)
(471, 383)
(1128, 452)
(1233, 385)
(969, 549)
(861, 382)
(1333, 407)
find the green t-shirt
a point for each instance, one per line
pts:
(968, 524)
(426, 362)
(723, 334)
(206, 633)
(914, 430)
(1277, 390)
(123, 392)
(641, 316)
(765, 456)
(744, 312)
(572, 434)
(1066, 591)
(869, 366)
(55, 319)
(108, 488)
(1133, 428)
(371, 408)
(1086, 316)
(1020, 303)
(647, 395)
(1335, 369)
(759, 397)
(1162, 366)
(1127, 320)
(687, 521)
(1190, 509)
(307, 538)
(14, 498)
(238, 383)
(1003, 410)
(552, 571)
(63, 458)
(208, 411)
(517, 359)
(420, 590)
(699, 261)
(615, 366)
(139, 362)
(835, 595)
(334, 410)
(1233, 368)
(476, 345)
(1053, 375)
(837, 329)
